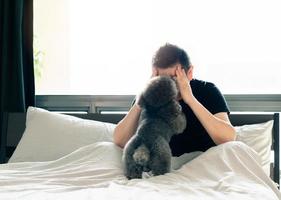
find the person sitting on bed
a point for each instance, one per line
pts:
(203, 104)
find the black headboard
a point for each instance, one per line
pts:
(13, 125)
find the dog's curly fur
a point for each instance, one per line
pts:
(161, 117)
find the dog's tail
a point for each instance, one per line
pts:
(141, 155)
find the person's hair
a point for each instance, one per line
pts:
(168, 55)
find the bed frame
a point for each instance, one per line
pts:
(13, 125)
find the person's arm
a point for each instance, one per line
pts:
(218, 125)
(126, 128)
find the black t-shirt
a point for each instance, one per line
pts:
(195, 137)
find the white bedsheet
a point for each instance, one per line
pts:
(228, 171)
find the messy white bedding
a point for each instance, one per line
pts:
(228, 171)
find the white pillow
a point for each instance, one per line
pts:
(49, 136)
(259, 138)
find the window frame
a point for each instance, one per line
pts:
(122, 103)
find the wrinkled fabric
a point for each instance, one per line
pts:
(228, 171)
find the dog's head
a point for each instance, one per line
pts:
(159, 91)
(159, 99)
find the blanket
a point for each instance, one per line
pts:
(228, 171)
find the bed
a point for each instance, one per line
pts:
(73, 157)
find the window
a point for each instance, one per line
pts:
(105, 47)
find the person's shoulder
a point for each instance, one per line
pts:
(209, 95)
(196, 83)
(204, 88)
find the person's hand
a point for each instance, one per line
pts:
(184, 85)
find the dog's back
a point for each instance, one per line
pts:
(148, 150)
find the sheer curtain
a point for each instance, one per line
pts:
(107, 45)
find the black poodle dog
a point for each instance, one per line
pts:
(161, 117)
